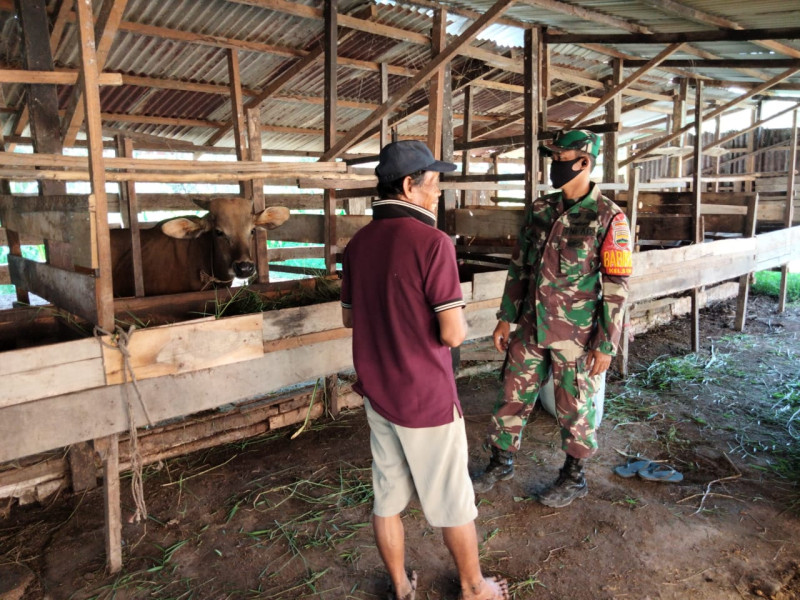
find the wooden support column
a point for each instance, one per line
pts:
(436, 85)
(129, 210)
(678, 120)
(717, 159)
(108, 449)
(697, 219)
(42, 103)
(466, 136)
(104, 296)
(237, 113)
(744, 281)
(331, 63)
(750, 161)
(384, 74)
(788, 211)
(253, 118)
(632, 212)
(329, 195)
(532, 72)
(613, 115)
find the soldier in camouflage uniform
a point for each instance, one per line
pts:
(566, 288)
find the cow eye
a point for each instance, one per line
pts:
(218, 232)
(253, 231)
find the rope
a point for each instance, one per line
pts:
(122, 340)
(209, 280)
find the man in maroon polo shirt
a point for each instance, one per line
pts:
(402, 297)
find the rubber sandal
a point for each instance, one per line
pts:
(660, 472)
(632, 467)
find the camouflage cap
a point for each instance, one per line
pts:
(574, 139)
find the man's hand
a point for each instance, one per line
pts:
(500, 335)
(597, 362)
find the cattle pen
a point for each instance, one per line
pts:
(125, 381)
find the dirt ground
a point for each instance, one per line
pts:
(279, 518)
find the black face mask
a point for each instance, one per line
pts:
(561, 172)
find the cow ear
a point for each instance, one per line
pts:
(184, 229)
(272, 217)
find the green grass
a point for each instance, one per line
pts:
(768, 283)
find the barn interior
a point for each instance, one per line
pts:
(116, 108)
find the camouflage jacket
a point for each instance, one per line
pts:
(568, 276)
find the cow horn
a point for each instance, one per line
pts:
(204, 203)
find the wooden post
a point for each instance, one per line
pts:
(436, 85)
(744, 280)
(129, 210)
(532, 72)
(678, 120)
(613, 115)
(237, 112)
(717, 135)
(108, 449)
(42, 103)
(632, 212)
(253, 118)
(97, 173)
(788, 211)
(466, 137)
(697, 221)
(331, 61)
(384, 74)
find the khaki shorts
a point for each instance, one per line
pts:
(431, 461)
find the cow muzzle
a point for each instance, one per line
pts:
(244, 269)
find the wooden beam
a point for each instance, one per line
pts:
(237, 112)
(129, 211)
(632, 78)
(726, 63)
(25, 76)
(420, 78)
(383, 138)
(715, 35)
(104, 298)
(466, 136)
(710, 115)
(105, 29)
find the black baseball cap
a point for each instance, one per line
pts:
(399, 159)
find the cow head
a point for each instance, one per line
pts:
(231, 224)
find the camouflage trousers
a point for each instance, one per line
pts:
(527, 367)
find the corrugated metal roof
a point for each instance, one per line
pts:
(293, 119)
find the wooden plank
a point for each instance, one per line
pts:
(183, 348)
(309, 229)
(94, 413)
(301, 320)
(488, 223)
(45, 371)
(488, 285)
(74, 292)
(64, 218)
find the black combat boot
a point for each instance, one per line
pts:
(569, 486)
(500, 468)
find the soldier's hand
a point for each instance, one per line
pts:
(597, 362)
(500, 335)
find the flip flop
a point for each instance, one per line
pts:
(632, 467)
(660, 472)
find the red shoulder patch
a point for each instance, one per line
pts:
(616, 251)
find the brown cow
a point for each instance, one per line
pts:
(187, 254)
